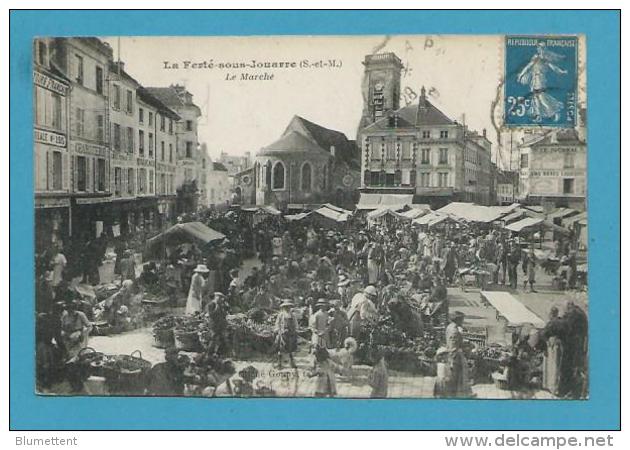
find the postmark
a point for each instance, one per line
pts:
(540, 81)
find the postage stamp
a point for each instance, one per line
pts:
(540, 81)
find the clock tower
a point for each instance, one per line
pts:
(381, 87)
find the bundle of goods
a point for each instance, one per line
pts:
(104, 291)
(90, 362)
(488, 360)
(208, 370)
(163, 331)
(249, 336)
(126, 374)
(186, 334)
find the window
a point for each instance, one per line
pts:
(47, 108)
(170, 153)
(569, 160)
(151, 182)
(376, 152)
(80, 122)
(325, 178)
(444, 156)
(129, 101)
(56, 171)
(142, 179)
(99, 80)
(162, 184)
(568, 185)
(162, 122)
(524, 161)
(150, 119)
(278, 176)
(130, 134)
(42, 53)
(425, 179)
(81, 173)
(116, 96)
(189, 125)
(306, 177)
(150, 143)
(116, 142)
(117, 180)
(203, 163)
(141, 142)
(444, 134)
(443, 179)
(141, 115)
(79, 69)
(170, 126)
(426, 134)
(189, 149)
(100, 172)
(130, 181)
(406, 150)
(162, 152)
(391, 150)
(100, 128)
(425, 154)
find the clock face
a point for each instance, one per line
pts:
(347, 180)
(247, 180)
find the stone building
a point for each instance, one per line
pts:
(187, 175)
(52, 164)
(418, 149)
(308, 165)
(86, 62)
(553, 170)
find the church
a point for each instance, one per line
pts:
(307, 166)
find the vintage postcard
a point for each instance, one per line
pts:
(303, 216)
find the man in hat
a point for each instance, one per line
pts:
(338, 324)
(458, 385)
(218, 311)
(197, 289)
(318, 323)
(286, 332)
(362, 307)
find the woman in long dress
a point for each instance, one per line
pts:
(554, 353)
(197, 289)
(375, 262)
(75, 329)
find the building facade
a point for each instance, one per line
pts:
(52, 164)
(553, 170)
(418, 149)
(85, 62)
(187, 173)
(219, 186)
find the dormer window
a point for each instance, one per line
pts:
(444, 134)
(426, 134)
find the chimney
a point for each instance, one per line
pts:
(484, 132)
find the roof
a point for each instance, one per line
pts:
(149, 99)
(431, 219)
(117, 68)
(326, 138)
(382, 212)
(414, 213)
(171, 96)
(529, 222)
(560, 213)
(336, 214)
(472, 212)
(421, 114)
(390, 201)
(571, 220)
(293, 142)
(187, 232)
(219, 166)
(554, 137)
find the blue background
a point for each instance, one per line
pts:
(28, 411)
(517, 57)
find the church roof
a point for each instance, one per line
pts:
(554, 137)
(292, 142)
(424, 113)
(345, 149)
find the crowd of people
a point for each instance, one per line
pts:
(333, 280)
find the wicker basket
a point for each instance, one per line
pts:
(187, 341)
(128, 375)
(163, 338)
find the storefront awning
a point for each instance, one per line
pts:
(186, 232)
(390, 201)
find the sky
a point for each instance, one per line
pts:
(460, 74)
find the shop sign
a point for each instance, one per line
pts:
(49, 138)
(49, 83)
(52, 202)
(90, 149)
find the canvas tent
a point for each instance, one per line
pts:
(471, 212)
(378, 201)
(415, 213)
(533, 223)
(190, 232)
